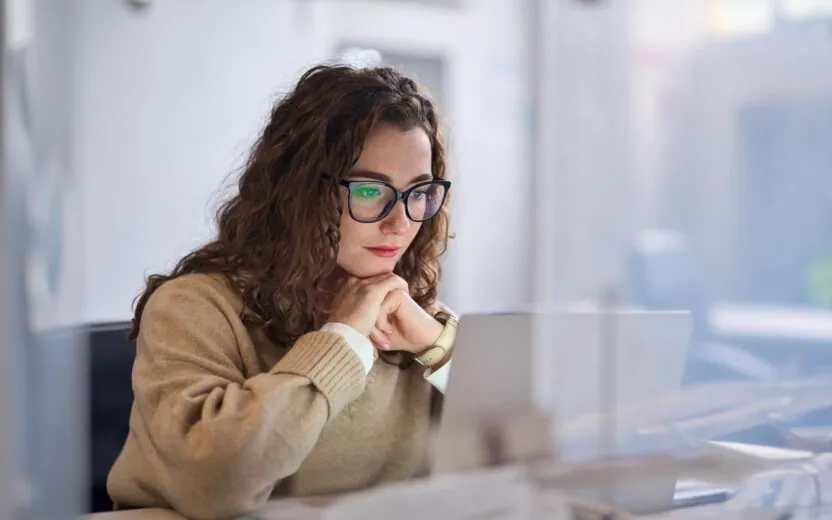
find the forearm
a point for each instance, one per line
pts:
(221, 448)
(438, 376)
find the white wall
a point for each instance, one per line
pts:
(585, 189)
(169, 99)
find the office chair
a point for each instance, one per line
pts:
(111, 397)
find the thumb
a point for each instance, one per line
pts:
(383, 323)
(389, 307)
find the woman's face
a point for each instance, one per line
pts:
(401, 159)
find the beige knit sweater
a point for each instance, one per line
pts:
(223, 419)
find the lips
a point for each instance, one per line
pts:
(384, 251)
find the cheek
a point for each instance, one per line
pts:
(414, 230)
(355, 234)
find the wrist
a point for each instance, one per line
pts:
(423, 328)
(433, 329)
(438, 353)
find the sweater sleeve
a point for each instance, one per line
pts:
(219, 442)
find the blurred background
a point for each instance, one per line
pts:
(674, 154)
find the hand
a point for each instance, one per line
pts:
(359, 301)
(403, 325)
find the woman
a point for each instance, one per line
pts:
(256, 372)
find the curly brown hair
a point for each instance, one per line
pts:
(277, 239)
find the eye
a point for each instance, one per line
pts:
(367, 192)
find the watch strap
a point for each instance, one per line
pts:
(443, 345)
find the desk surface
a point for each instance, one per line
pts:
(790, 323)
(136, 514)
(290, 508)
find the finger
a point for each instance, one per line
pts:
(378, 291)
(392, 283)
(380, 339)
(391, 303)
(375, 354)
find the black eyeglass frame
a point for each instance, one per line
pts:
(399, 196)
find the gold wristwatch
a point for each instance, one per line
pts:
(435, 353)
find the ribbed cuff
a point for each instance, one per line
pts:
(359, 344)
(330, 364)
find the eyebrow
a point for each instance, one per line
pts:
(369, 174)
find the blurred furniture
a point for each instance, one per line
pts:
(796, 338)
(733, 342)
(136, 514)
(665, 274)
(111, 397)
(730, 340)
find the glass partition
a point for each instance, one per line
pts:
(685, 164)
(44, 361)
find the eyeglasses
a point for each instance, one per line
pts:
(371, 201)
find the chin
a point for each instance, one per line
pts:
(368, 269)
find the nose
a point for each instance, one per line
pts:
(396, 222)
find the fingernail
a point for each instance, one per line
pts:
(388, 331)
(385, 346)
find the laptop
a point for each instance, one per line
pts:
(521, 378)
